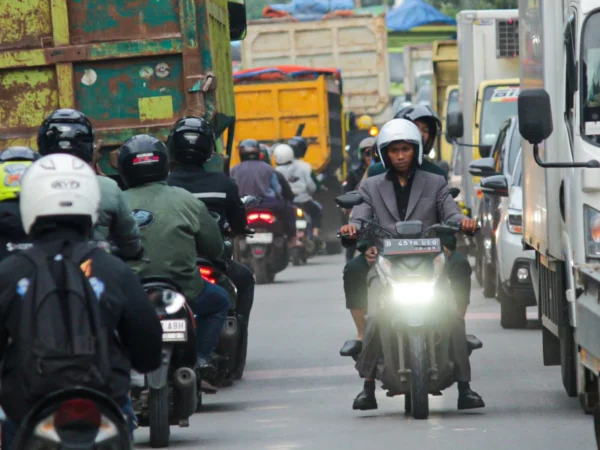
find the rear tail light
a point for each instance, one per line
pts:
(207, 274)
(263, 217)
(80, 411)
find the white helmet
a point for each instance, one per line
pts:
(284, 154)
(400, 130)
(58, 185)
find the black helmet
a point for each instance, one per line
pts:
(299, 145)
(191, 141)
(19, 153)
(249, 150)
(425, 114)
(67, 131)
(143, 159)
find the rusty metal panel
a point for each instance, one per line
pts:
(131, 65)
(355, 45)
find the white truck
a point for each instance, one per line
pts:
(417, 64)
(356, 45)
(559, 109)
(488, 61)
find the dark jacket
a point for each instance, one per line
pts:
(126, 313)
(426, 165)
(353, 179)
(175, 229)
(11, 228)
(218, 192)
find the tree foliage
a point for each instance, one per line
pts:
(451, 7)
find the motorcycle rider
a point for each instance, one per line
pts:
(175, 228)
(70, 131)
(256, 178)
(389, 197)
(286, 190)
(13, 163)
(125, 311)
(191, 144)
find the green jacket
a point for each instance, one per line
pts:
(115, 220)
(175, 228)
(426, 165)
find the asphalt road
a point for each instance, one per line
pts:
(297, 391)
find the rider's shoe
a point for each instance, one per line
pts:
(469, 399)
(365, 400)
(351, 348)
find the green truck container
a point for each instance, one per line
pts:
(132, 66)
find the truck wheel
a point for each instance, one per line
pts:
(419, 376)
(158, 411)
(513, 314)
(489, 279)
(568, 360)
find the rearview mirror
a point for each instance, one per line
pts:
(237, 19)
(495, 185)
(455, 127)
(485, 151)
(454, 192)
(250, 200)
(535, 115)
(349, 200)
(484, 167)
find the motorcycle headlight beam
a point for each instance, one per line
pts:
(408, 293)
(172, 301)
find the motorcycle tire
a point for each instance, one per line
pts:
(296, 256)
(199, 400)
(261, 271)
(158, 412)
(419, 376)
(242, 354)
(489, 280)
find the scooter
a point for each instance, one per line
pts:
(307, 248)
(169, 395)
(77, 419)
(411, 282)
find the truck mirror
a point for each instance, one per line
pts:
(237, 19)
(496, 185)
(535, 115)
(455, 125)
(484, 167)
(485, 151)
(408, 97)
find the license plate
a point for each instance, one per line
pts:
(301, 224)
(406, 246)
(174, 330)
(260, 238)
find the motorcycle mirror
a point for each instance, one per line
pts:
(349, 200)
(250, 200)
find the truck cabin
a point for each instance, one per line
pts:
(496, 102)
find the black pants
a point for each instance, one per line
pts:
(315, 211)
(243, 278)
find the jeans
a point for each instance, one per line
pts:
(10, 427)
(210, 309)
(243, 279)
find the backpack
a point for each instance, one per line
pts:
(61, 341)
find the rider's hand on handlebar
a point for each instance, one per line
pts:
(468, 225)
(349, 231)
(371, 255)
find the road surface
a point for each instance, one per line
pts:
(297, 391)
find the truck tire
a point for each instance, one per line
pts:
(419, 376)
(568, 360)
(513, 314)
(158, 412)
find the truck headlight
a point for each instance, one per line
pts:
(591, 220)
(514, 221)
(413, 293)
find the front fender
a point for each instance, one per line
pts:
(158, 378)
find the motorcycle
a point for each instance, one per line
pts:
(307, 247)
(266, 252)
(74, 418)
(169, 394)
(416, 327)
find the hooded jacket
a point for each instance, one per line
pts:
(11, 228)
(300, 181)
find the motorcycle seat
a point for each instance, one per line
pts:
(473, 343)
(218, 264)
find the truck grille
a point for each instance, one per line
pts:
(507, 38)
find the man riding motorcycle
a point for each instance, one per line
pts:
(13, 163)
(191, 144)
(406, 192)
(70, 131)
(130, 323)
(286, 190)
(356, 269)
(175, 229)
(256, 178)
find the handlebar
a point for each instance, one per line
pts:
(446, 227)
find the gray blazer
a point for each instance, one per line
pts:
(428, 197)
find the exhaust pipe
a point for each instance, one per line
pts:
(184, 380)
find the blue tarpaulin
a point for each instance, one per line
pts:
(308, 10)
(415, 13)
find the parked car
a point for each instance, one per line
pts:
(501, 162)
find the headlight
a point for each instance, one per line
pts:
(591, 220)
(413, 293)
(299, 212)
(514, 222)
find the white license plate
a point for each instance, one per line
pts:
(301, 224)
(174, 330)
(260, 238)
